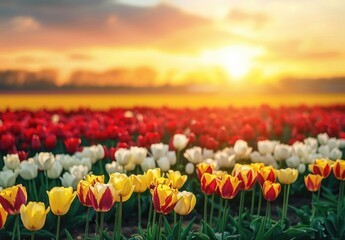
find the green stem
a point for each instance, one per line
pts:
(268, 213)
(100, 165)
(175, 218)
(47, 181)
(97, 223)
(120, 219)
(205, 213)
(87, 223)
(315, 200)
(284, 204)
(159, 226)
(35, 189)
(241, 206)
(341, 195)
(287, 199)
(212, 208)
(33, 235)
(139, 210)
(259, 204)
(101, 226)
(154, 218)
(18, 227)
(150, 213)
(58, 228)
(224, 218)
(116, 219)
(220, 210)
(180, 227)
(178, 159)
(253, 201)
(16, 222)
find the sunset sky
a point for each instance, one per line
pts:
(151, 42)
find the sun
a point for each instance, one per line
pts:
(236, 60)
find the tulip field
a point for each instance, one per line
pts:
(173, 173)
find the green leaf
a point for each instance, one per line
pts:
(187, 228)
(275, 227)
(68, 235)
(199, 236)
(210, 232)
(167, 226)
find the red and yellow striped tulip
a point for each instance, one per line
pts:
(3, 216)
(228, 186)
(208, 183)
(202, 168)
(266, 173)
(313, 182)
(13, 198)
(270, 190)
(339, 169)
(93, 179)
(246, 174)
(102, 197)
(164, 198)
(83, 189)
(321, 167)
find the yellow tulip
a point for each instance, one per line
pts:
(12, 198)
(151, 174)
(287, 175)
(123, 185)
(3, 216)
(177, 180)
(140, 183)
(257, 166)
(92, 179)
(186, 203)
(34, 215)
(164, 198)
(60, 199)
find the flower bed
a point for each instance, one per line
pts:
(214, 169)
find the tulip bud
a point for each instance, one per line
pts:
(113, 167)
(208, 183)
(123, 156)
(194, 155)
(68, 180)
(149, 163)
(287, 175)
(60, 199)
(321, 167)
(139, 154)
(28, 169)
(8, 178)
(176, 179)
(246, 174)
(242, 150)
(102, 197)
(266, 146)
(123, 185)
(11, 161)
(204, 168)
(139, 182)
(44, 160)
(159, 150)
(50, 142)
(151, 174)
(83, 189)
(33, 215)
(171, 155)
(266, 173)
(72, 144)
(12, 198)
(164, 199)
(313, 182)
(339, 169)
(180, 141)
(190, 168)
(164, 164)
(293, 161)
(323, 138)
(270, 190)
(301, 168)
(282, 152)
(186, 203)
(335, 154)
(55, 171)
(35, 142)
(228, 186)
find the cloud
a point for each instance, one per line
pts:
(255, 19)
(24, 24)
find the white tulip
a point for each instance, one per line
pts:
(88, 152)
(100, 153)
(333, 143)
(171, 155)
(224, 160)
(44, 160)
(11, 161)
(301, 168)
(255, 157)
(139, 154)
(149, 163)
(68, 180)
(268, 159)
(180, 141)
(28, 169)
(159, 150)
(113, 167)
(324, 151)
(130, 166)
(266, 146)
(123, 156)
(323, 138)
(66, 160)
(242, 150)
(274, 164)
(282, 152)
(335, 154)
(8, 178)
(311, 144)
(293, 161)
(164, 164)
(55, 171)
(194, 155)
(207, 153)
(190, 168)
(341, 143)
(79, 171)
(314, 156)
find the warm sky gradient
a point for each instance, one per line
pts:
(151, 42)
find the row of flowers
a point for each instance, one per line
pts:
(166, 197)
(27, 132)
(70, 169)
